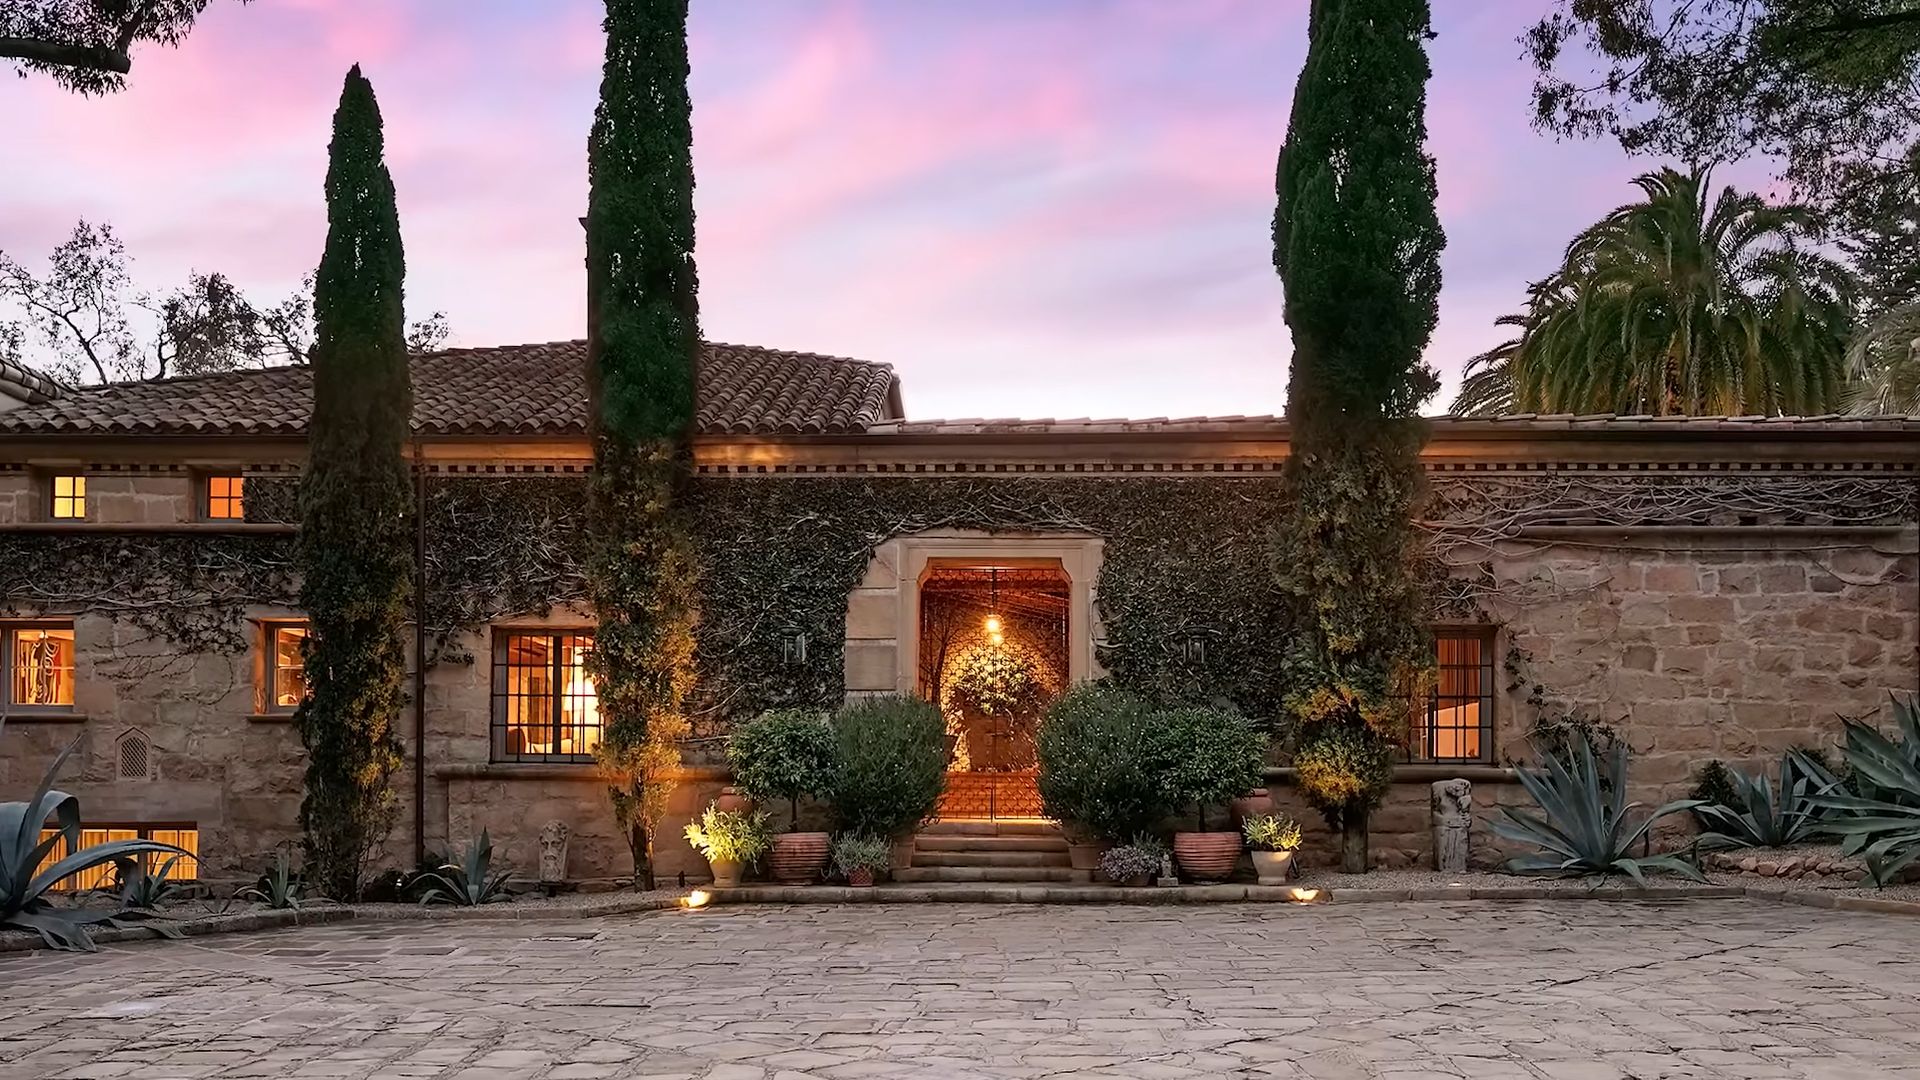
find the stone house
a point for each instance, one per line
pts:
(1710, 587)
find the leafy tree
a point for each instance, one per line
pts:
(355, 540)
(87, 45)
(643, 333)
(1829, 87)
(1680, 304)
(288, 328)
(1357, 244)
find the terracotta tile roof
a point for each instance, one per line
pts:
(1276, 426)
(20, 385)
(508, 390)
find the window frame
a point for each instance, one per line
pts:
(79, 496)
(186, 870)
(500, 696)
(207, 498)
(270, 630)
(1428, 730)
(8, 631)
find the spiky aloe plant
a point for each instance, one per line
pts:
(24, 884)
(1756, 814)
(467, 883)
(1879, 820)
(1585, 825)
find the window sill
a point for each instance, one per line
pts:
(557, 770)
(1426, 772)
(17, 715)
(270, 718)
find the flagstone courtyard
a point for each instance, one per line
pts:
(1566, 991)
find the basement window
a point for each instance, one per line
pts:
(39, 665)
(544, 705)
(183, 868)
(226, 498)
(69, 496)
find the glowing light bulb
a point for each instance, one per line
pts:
(993, 624)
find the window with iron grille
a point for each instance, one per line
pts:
(39, 661)
(1458, 724)
(544, 705)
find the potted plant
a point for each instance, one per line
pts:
(1274, 838)
(859, 857)
(889, 768)
(1210, 755)
(1099, 776)
(729, 839)
(1134, 864)
(786, 754)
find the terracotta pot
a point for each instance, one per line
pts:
(901, 857)
(1207, 856)
(1255, 803)
(726, 872)
(1086, 856)
(797, 857)
(731, 799)
(1274, 867)
(860, 879)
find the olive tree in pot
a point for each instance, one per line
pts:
(786, 754)
(1209, 756)
(1099, 769)
(889, 768)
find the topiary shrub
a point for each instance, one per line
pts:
(1209, 756)
(889, 765)
(783, 754)
(1712, 785)
(1100, 767)
(1341, 769)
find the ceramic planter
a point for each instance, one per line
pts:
(1207, 856)
(731, 799)
(1086, 855)
(1274, 867)
(726, 872)
(901, 857)
(1255, 803)
(798, 857)
(861, 878)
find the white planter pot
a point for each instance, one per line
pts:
(1274, 867)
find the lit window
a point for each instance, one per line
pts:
(544, 706)
(39, 662)
(225, 499)
(286, 666)
(69, 497)
(1459, 717)
(183, 867)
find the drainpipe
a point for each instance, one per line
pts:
(419, 656)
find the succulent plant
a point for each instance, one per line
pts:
(1271, 832)
(1879, 819)
(467, 883)
(1584, 826)
(1752, 814)
(279, 888)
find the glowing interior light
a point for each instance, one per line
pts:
(993, 625)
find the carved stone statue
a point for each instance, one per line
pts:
(553, 851)
(1451, 806)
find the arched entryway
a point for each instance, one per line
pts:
(924, 620)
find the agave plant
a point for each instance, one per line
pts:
(1754, 814)
(1585, 824)
(279, 888)
(24, 882)
(1879, 820)
(469, 882)
(139, 890)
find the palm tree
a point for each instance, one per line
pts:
(1679, 306)
(1885, 362)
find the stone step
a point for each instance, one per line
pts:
(991, 858)
(920, 875)
(991, 828)
(925, 842)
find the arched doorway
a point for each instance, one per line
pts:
(994, 640)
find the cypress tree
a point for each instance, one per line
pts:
(643, 339)
(1357, 244)
(355, 546)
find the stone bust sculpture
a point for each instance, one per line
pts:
(1451, 806)
(553, 851)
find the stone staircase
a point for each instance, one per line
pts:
(977, 851)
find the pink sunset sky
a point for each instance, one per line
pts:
(1030, 208)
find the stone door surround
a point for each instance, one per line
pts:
(883, 611)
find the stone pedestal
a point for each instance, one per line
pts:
(1451, 806)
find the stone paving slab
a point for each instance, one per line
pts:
(1561, 990)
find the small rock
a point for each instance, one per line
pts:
(1767, 869)
(1749, 865)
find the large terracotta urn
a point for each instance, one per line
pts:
(1255, 803)
(1207, 856)
(798, 857)
(731, 800)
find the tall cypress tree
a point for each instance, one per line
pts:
(1357, 244)
(355, 548)
(643, 337)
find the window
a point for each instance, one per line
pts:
(225, 498)
(184, 868)
(69, 497)
(544, 706)
(39, 663)
(1459, 716)
(286, 666)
